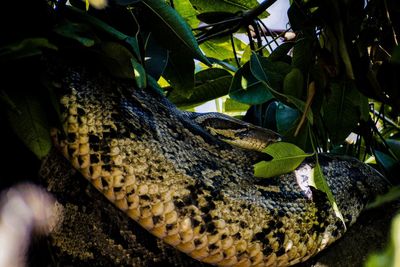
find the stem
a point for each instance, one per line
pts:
(390, 23)
(234, 51)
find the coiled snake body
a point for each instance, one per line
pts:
(193, 190)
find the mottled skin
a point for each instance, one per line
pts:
(194, 191)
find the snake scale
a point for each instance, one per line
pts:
(195, 192)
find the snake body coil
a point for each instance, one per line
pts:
(194, 191)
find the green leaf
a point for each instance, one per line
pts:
(303, 54)
(393, 194)
(396, 55)
(172, 27)
(272, 74)
(180, 73)
(247, 89)
(231, 6)
(281, 51)
(286, 118)
(387, 162)
(104, 27)
(156, 57)
(30, 124)
(234, 106)
(25, 48)
(389, 257)
(342, 110)
(186, 10)
(117, 59)
(318, 181)
(293, 83)
(210, 84)
(221, 48)
(394, 145)
(78, 32)
(286, 158)
(139, 73)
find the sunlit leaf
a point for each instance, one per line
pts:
(286, 158)
(235, 106)
(186, 10)
(231, 6)
(221, 48)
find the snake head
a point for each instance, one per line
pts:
(236, 132)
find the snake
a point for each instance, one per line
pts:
(188, 178)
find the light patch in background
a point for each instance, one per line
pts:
(98, 4)
(278, 18)
(24, 209)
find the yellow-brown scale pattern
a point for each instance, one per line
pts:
(193, 191)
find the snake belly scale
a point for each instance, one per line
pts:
(193, 190)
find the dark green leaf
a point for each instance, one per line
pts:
(394, 146)
(386, 161)
(303, 54)
(392, 195)
(78, 32)
(271, 74)
(247, 89)
(25, 48)
(104, 27)
(156, 57)
(30, 124)
(342, 110)
(281, 51)
(117, 59)
(286, 118)
(286, 158)
(180, 73)
(169, 25)
(139, 73)
(293, 83)
(396, 55)
(210, 84)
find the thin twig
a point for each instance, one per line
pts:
(390, 23)
(234, 51)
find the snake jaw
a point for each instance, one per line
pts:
(234, 131)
